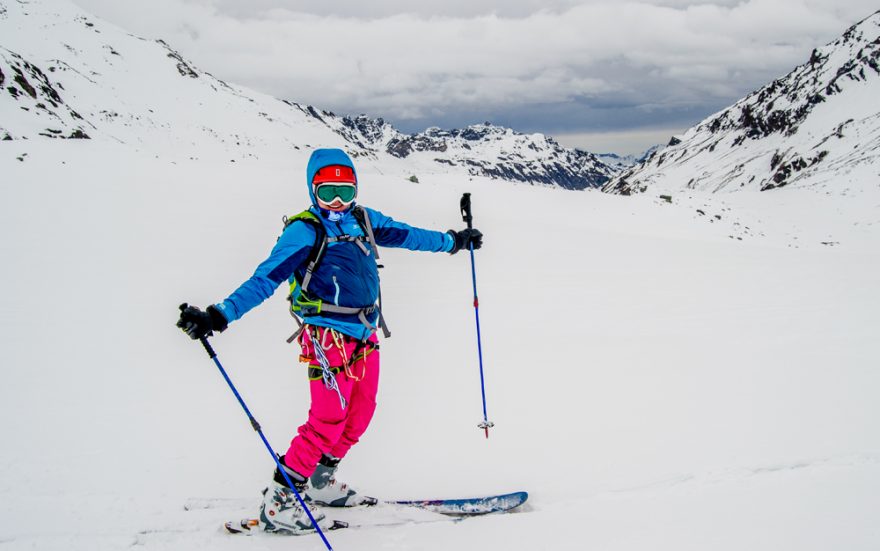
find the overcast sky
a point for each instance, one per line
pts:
(600, 75)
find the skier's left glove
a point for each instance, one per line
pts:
(465, 238)
(198, 324)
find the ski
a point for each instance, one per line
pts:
(248, 526)
(452, 510)
(470, 506)
(251, 526)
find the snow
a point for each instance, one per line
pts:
(667, 386)
(691, 373)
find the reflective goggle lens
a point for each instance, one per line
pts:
(329, 192)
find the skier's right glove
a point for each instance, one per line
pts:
(464, 239)
(198, 324)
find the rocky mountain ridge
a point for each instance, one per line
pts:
(87, 79)
(480, 150)
(817, 126)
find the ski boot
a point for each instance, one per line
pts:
(326, 490)
(282, 513)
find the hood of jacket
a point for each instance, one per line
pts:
(325, 157)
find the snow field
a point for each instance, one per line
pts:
(654, 383)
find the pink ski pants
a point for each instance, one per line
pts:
(330, 428)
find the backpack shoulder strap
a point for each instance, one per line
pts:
(320, 245)
(363, 220)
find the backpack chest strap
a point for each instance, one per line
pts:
(356, 239)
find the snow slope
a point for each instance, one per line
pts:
(817, 127)
(88, 78)
(687, 391)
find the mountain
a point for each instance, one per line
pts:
(88, 79)
(622, 162)
(817, 127)
(481, 150)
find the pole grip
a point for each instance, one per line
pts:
(465, 205)
(208, 348)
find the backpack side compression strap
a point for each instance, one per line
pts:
(363, 218)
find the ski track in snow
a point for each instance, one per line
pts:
(744, 474)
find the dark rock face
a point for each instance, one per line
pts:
(399, 148)
(184, 68)
(24, 84)
(29, 85)
(314, 113)
(785, 170)
(369, 129)
(403, 147)
(800, 91)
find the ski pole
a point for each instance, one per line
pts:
(259, 430)
(469, 219)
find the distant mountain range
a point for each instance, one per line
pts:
(67, 75)
(480, 150)
(621, 162)
(818, 126)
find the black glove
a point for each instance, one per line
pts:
(465, 238)
(198, 324)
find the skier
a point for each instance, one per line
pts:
(335, 288)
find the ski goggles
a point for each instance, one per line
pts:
(329, 192)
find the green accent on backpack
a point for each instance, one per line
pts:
(298, 299)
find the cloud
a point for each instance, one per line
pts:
(551, 66)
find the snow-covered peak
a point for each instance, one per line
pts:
(85, 78)
(480, 150)
(817, 126)
(622, 162)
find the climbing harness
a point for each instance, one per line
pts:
(329, 379)
(323, 371)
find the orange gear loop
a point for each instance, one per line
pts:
(319, 335)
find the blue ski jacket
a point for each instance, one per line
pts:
(346, 275)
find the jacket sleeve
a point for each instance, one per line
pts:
(291, 250)
(391, 233)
